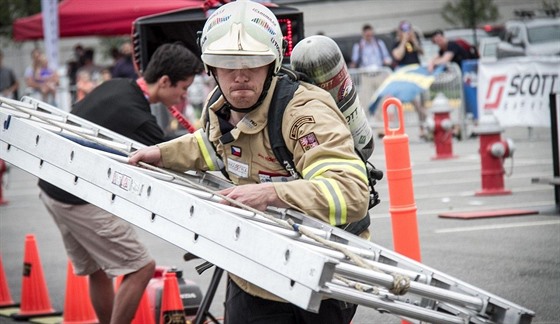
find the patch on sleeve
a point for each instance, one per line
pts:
(298, 123)
(308, 141)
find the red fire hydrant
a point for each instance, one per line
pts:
(493, 150)
(442, 128)
(3, 169)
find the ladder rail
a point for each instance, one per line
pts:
(190, 219)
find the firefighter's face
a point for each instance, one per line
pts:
(242, 87)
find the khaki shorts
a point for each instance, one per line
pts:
(96, 239)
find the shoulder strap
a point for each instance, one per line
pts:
(215, 96)
(284, 92)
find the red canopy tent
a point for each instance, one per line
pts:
(97, 17)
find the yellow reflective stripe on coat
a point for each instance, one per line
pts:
(318, 168)
(207, 151)
(338, 211)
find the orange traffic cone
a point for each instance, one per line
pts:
(172, 311)
(401, 191)
(77, 305)
(34, 294)
(5, 296)
(144, 314)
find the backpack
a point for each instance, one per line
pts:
(287, 84)
(472, 51)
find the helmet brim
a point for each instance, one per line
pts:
(235, 61)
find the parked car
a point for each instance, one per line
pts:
(467, 34)
(488, 47)
(531, 36)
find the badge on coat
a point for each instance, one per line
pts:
(238, 168)
(308, 141)
(298, 123)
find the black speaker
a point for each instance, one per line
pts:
(183, 25)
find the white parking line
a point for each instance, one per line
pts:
(497, 226)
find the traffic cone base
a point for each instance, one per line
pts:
(7, 311)
(46, 320)
(28, 316)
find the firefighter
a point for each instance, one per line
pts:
(242, 49)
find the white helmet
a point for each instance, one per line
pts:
(242, 34)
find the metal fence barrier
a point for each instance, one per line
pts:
(449, 82)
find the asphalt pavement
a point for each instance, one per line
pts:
(514, 257)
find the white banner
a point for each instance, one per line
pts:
(49, 9)
(516, 90)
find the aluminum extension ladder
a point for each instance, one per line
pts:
(302, 267)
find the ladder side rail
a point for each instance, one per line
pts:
(297, 293)
(197, 216)
(188, 240)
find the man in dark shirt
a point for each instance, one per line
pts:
(124, 67)
(99, 244)
(449, 51)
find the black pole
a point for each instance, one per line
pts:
(473, 22)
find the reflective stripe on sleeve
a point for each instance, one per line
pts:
(318, 168)
(208, 153)
(338, 210)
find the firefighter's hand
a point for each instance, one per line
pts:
(150, 155)
(257, 196)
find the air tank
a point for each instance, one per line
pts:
(320, 58)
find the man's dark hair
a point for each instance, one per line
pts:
(174, 60)
(437, 32)
(366, 27)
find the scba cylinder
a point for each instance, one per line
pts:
(321, 60)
